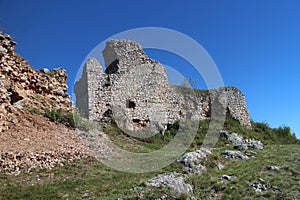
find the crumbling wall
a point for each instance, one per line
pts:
(22, 87)
(135, 89)
(93, 91)
(232, 101)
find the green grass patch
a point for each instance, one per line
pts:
(208, 186)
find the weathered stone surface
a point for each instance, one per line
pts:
(236, 155)
(191, 161)
(172, 180)
(255, 144)
(23, 87)
(240, 143)
(272, 167)
(226, 177)
(30, 141)
(260, 185)
(135, 90)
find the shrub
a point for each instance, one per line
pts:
(34, 111)
(70, 119)
(54, 115)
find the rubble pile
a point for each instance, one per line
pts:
(30, 141)
(15, 162)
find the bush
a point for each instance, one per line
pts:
(34, 111)
(54, 115)
(70, 119)
(262, 131)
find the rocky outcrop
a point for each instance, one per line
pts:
(192, 161)
(22, 87)
(135, 90)
(235, 155)
(195, 162)
(173, 180)
(227, 177)
(240, 143)
(272, 167)
(260, 185)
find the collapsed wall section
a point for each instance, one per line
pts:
(231, 99)
(22, 87)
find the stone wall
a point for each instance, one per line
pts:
(93, 91)
(232, 101)
(22, 87)
(135, 89)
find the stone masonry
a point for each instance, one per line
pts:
(135, 91)
(22, 87)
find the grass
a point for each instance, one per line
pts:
(287, 178)
(90, 179)
(70, 119)
(263, 132)
(76, 179)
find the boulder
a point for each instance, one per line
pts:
(226, 177)
(191, 161)
(173, 180)
(260, 185)
(240, 143)
(272, 167)
(235, 155)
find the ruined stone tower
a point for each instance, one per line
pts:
(134, 89)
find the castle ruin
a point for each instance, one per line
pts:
(134, 89)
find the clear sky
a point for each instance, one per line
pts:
(255, 43)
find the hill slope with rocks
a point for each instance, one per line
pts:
(28, 140)
(45, 144)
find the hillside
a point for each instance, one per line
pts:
(49, 151)
(28, 140)
(268, 173)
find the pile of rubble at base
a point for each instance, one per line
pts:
(34, 142)
(29, 141)
(16, 162)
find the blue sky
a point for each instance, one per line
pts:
(254, 43)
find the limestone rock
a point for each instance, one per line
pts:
(272, 167)
(226, 177)
(235, 155)
(260, 185)
(173, 180)
(191, 161)
(240, 143)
